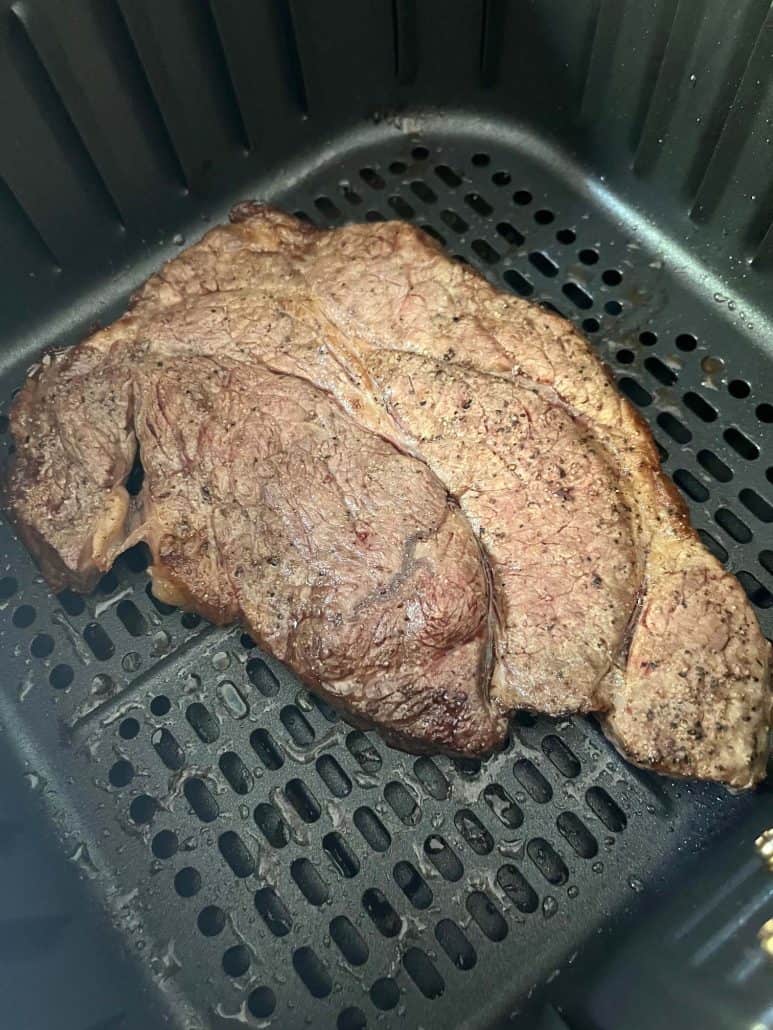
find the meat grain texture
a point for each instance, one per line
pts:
(424, 495)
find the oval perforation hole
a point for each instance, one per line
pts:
(349, 941)
(478, 204)
(350, 195)
(635, 392)
(341, 855)
(297, 725)
(560, 755)
(261, 1002)
(205, 725)
(187, 882)
(487, 916)
(448, 176)
(509, 233)
(333, 776)
(8, 587)
(232, 700)
(543, 264)
(132, 618)
(467, 767)
(713, 545)
(267, 749)
(423, 192)
(675, 429)
(686, 342)
(273, 911)
(168, 750)
(108, 584)
(755, 591)
(237, 855)
(128, 729)
(432, 779)
(201, 800)
(741, 444)
(547, 860)
(142, 809)
(61, 676)
(262, 678)
(503, 806)
(211, 921)
(372, 829)
(309, 882)
(757, 505)
(351, 1018)
(325, 710)
(532, 781)
(372, 178)
(236, 772)
(485, 251)
(72, 603)
(137, 558)
(732, 525)
(577, 295)
(444, 859)
(580, 839)
(383, 916)
(271, 824)
(517, 888)
(453, 220)
(312, 972)
(160, 705)
(100, 644)
(412, 884)
(430, 230)
(302, 800)
(764, 412)
(164, 844)
(690, 486)
(660, 371)
(385, 993)
(700, 407)
(236, 961)
(606, 809)
(327, 208)
(42, 645)
(121, 773)
(518, 283)
(401, 207)
(423, 973)
(402, 803)
(455, 944)
(364, 751)
(474, 832)
(716, 468)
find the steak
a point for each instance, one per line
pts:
(423, 495)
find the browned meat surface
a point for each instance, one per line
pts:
(423, 495)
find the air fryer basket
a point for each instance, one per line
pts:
(256, 858)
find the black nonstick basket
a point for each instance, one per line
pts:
(188, 838)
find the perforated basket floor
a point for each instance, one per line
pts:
(266, 862)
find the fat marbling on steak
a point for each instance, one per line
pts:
(424, 495)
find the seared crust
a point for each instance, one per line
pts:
(597, 594)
